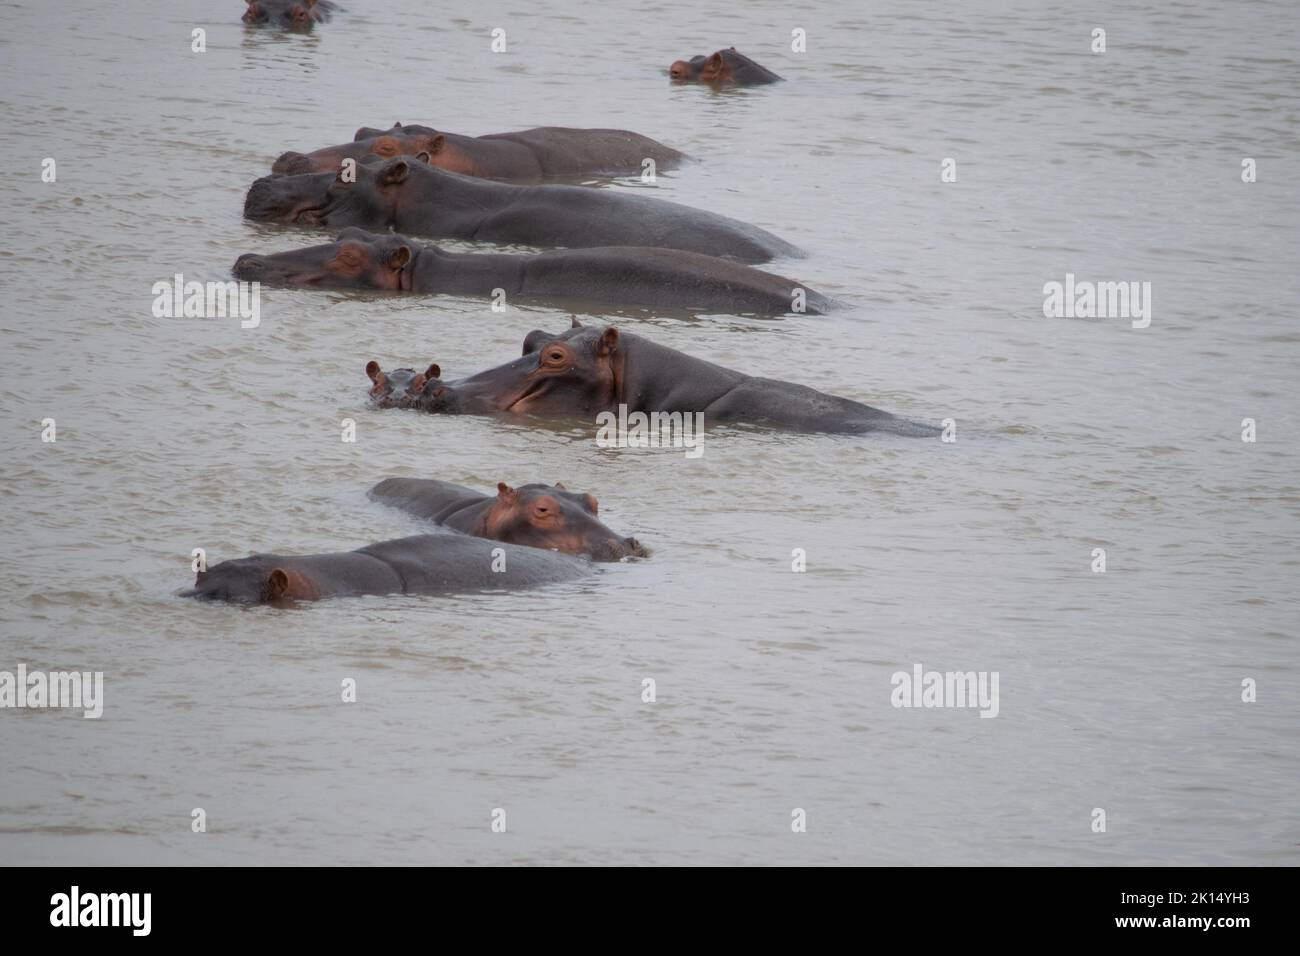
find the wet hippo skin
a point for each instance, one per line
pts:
(533, 515)
(724, 68)
(621, 276)
(412, 197)
(422, 564)
(586, 370)
(529, 155)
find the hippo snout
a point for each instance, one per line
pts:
(249, 266)
(615, 549)
(680, 70)
(261, 200)
(292, 163)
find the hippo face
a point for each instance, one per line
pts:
(727, 67)
(386, 144)
(294, 14)
(253, 580)
(574, 373)
(551, 516)
(356, 260)
(400, 388)
(299, 198)
(686, 71)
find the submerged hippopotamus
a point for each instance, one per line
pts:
(533, 515)
(529, 155)
(723, 68)
(294, 14)
(412, 197)
(587, 370)
(422, 564)
(622, 276)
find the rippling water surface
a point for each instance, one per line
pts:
(1118, 690)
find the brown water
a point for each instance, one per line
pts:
(1118, 690)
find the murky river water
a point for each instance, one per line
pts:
(1119, 690)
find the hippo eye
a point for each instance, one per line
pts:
(555, 356)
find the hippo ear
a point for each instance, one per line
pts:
(433, 371)
(400, 257)
(560, 485)
(715, 60)
(608, 343)
(396, 173)
(423, 156)
(373, 371)
(436, 144)
(277, 584)
(592, 504)
(506, 493)
(576, 324)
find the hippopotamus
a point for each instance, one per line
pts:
(422, 564)
(587, 370)
(529, 155)
(723, 68)
(622, 276)
(294, 14)
(415, 198)
(533, 515)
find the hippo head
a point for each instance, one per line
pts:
(294, 14)
(401, 387)
(687, 70)
(368, 198)
(355, 260)
(571, 375)
(287, 199)
(398, 141)
(723, 68)
(253, 580)
(551, 516)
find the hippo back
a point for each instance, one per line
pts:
(441, 563)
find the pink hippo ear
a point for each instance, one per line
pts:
(576, 324)
(396, 173)
(437, 144)
(608, 343)
(373, 371)
(592, 504)
(506, 493)
(559, 485)
(433, 371)
(715, 60)
(400, 257)
(277, 584)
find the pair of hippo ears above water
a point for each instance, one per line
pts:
(376, 375)
(510, 496)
